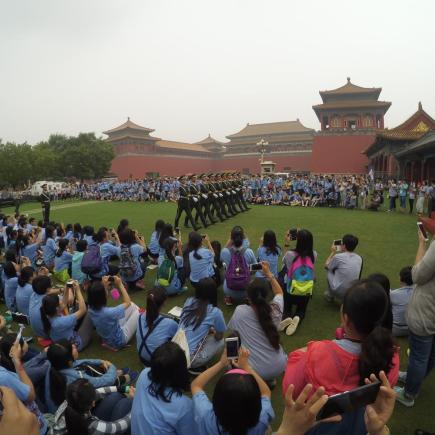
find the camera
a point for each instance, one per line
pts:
(70, 283)
(293, 233)
(111, 279)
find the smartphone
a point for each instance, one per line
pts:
(19, 338)
(70, 283)
(232, 346)
(255, 267)
(177, 230)
(350, 400)
(111, 279)
(21, 319)
(422, 230)
(293, 233)
(338, 242)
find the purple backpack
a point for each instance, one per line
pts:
(237, 274)
(92, 261)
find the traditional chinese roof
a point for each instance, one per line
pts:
(209, 140)
(181, 146)
(426, 142)
(352, 104)
(126, 125)
(285, 127)
(350, 88)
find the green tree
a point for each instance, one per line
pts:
(16, 165)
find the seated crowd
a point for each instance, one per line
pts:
(46, 271)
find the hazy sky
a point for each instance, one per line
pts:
(190, 67)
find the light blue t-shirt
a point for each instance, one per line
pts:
(207, 423)
(23, 298)
(213, 318)
(108, 250)
(154, 246)
(163, 332)
(203, 268)
(152, 416)
(272, 259)
(76, 267)
(63, 327)
(35, 314)
(136, 251)
(49, 251)
(62, 262)
(10, 286)
(31, 252)
(106, 322)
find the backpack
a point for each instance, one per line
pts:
(92, 261)
(127, 265)
(238, 274)
(300, 277)
(166, 272)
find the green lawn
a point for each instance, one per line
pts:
(388, 241)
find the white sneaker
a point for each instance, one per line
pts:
(293, 326)
(403, 398)
(284, 323)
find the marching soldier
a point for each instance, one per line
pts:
(205, 198)
(230, 195)
(213, 196)
(194, 202)
(226, 205)
(44, 198)
(184, 204)
(241, 187)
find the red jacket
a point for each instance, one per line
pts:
(326, 364)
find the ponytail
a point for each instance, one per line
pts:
(79, 395)
(57, 386)
(377, 351)
(48, 309)
(63, 244)
(257, 293)
(155, 299)
(366, 305)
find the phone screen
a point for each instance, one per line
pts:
(256, 266)
(338, 242)
(293, 234)
(422, 230)
(232, 345)
(350, 401)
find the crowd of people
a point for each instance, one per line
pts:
(73, 284)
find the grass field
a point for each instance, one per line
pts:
(388, 241)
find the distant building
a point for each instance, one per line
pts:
(352, 139)
(349, 117)
(407, 150)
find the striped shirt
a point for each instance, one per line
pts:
(96, 426)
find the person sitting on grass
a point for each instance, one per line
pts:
(241, 401)
(154, 329)
(400, 300)
(171, 273)
(49, 249)
(306, 256)
(153, 245)
(236, 245)
(132, 269)
(257, 323)
(62, 262)
(383, 280)
(92, 411)
(24, 289)
(268, 251)
(159, 405)
(115, 325)
(203, 323)
(344, 364)
(76, 265)
(343, 267)
(75, 326)
(10, 284)
(109, 247)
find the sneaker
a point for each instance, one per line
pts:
(284, 323)
(403, 398)
(293, 325)
(402, 377)
(228, 301)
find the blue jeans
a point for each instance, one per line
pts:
(402, 201)
(421, 361)
(113, 407)
(393, 202)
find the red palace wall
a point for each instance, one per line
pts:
(137, 166)
(340, 154)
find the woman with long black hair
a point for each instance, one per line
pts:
(301, 256)
(50, 247)
(257, 323)
(91, 411)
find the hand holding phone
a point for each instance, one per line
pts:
(256, 267)
(293, 233)
(422, 230)
(232, 347)
(337, 244)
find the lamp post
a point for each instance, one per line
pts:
(262, 147)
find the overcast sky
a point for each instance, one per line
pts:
(191, 67)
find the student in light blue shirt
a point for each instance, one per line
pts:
(29, 248)
(153, 245)
(269, 251)
(10, 283)
(153, 328)
(241, 400)
(201, 258)
(204, 324)
(59, 326)
(76, 264)
(132, 243)
(50, 247)
(115, 325)
(159, 405)
(63, 261)
(88, 234)
(24, 289)
(41, 286)
(108, 249)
